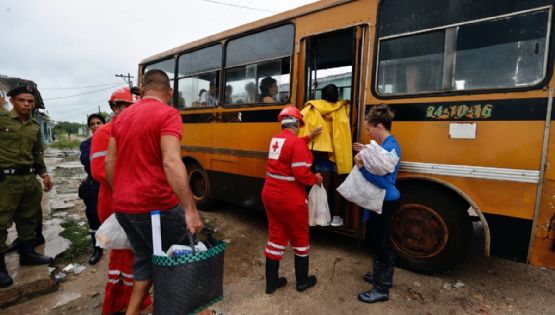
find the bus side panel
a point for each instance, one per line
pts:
(542, 251)
(242, 191)
(543, 243)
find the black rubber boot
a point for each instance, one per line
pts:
(374, 295)
(5, 279)
(28, 256)
(383, 268)
(382, 280)
(39, 238)
(97, 252)
(273, 282)
(13, 246)
(304, 281)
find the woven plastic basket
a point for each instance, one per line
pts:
(187, 284)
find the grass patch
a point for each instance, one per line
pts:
(65, 144)
(79, 237)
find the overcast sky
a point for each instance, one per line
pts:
(63, 44)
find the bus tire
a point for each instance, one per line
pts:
(200, 185)
(431, 229)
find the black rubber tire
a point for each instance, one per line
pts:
(444, 204)
(200, 186)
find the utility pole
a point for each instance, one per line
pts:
(127, 78)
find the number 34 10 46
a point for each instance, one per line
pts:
(459, 111)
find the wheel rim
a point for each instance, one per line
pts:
(197, 181)
(419, 231)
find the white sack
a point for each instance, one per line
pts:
(378, 160)
(318, 208)
(361, 192)
(110, 235)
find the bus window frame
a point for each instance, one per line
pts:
(195, 74)
(174, 57)
(548, 59)
(307, 45)
(291, 67)
(176, 85)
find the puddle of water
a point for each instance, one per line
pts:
(66, 298)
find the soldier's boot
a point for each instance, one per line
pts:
(273, 281)
(39, 239)
(14, 245)
(97, 251)
(28, 256)
(304, 281)
(5, 279)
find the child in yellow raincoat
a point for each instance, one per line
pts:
(333, 155)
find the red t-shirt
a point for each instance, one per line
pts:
(140, 184)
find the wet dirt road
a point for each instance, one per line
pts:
(485, 285)
(479, 285)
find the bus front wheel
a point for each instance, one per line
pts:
(200, 185)
(431, 230)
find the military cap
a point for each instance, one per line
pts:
(29, 89)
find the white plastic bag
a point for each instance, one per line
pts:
(378, 160)
(363, 193)
(110, 235)
(318, 208)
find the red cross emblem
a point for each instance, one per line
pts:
(275, 146)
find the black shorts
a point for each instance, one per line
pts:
(139, 230)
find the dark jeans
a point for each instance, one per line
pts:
(379, 226)
(91, 203)
(138, 228)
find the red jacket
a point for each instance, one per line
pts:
(98, 157)
(289, 162)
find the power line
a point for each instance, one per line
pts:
(80, 87)
(239, 6)
(81, 94)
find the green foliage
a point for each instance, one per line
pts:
(63, 143)
(78, 235)
(106, 115)
(65, 127)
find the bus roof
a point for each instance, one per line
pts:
(281, 17)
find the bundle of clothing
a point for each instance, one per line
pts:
(357, 189)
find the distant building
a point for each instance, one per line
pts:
(46, 125)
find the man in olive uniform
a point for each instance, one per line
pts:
(21, 158)
(2, 104)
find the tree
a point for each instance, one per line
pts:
(64, 127)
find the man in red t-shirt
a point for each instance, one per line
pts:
(145, 171)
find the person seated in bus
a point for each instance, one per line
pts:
(210, 97)
(333, 156)
(268, 90)
(180, 100)
(250, 88)
(228, 93)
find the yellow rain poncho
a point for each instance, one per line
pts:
(336, 133)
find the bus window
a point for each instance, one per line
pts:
(330, 61)
(412, 64)
(168, 66)
(198, 72)
(502, 52)
(507, 52)
(258, 67)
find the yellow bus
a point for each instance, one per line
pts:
(471, 84)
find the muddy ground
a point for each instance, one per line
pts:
(484, 285)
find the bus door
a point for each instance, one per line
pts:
(335, 58)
